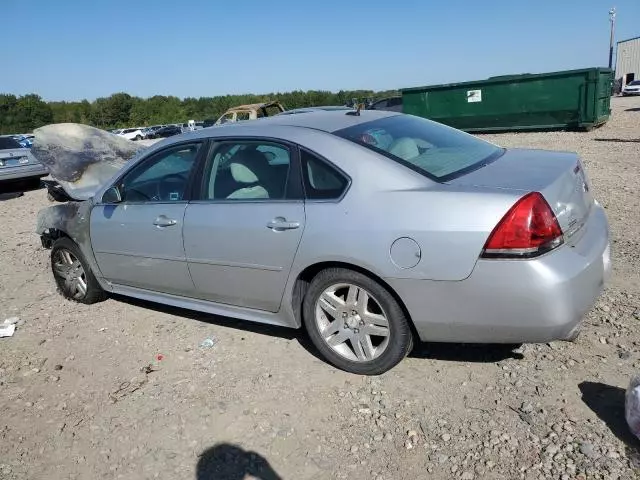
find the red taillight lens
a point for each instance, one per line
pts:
(528, 229)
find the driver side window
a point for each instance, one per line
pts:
(161, 178)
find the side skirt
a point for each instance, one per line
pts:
(241, 313)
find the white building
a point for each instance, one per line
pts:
(628, 60)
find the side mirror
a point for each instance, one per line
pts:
(112, 195)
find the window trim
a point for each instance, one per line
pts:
(150, 157)
(294, 187)
(330, 165)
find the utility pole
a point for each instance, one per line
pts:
(612, 20)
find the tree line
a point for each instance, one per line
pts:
(24, 113)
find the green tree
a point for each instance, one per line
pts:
(23, 114)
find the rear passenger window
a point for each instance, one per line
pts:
(247, 170)
(321, 181)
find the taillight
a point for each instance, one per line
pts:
(528, 229)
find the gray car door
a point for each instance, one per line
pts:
(137, 242)
(242, 234)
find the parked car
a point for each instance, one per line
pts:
(392, 104)
(631, 88)
(147, 132)
(167, 131)
(25, 141)
(151, 131)
(248, 112)
(364, 229)
(132, 133)
(17, 164)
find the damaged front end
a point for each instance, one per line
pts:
(80, 158)
(69, 219)
(55, 192)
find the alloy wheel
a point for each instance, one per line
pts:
(69, 270)
(352, 322)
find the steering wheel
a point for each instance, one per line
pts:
(163, 187)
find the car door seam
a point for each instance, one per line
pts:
(128, 254)
(256, 266)
(184, 250)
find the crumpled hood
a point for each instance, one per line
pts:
(81, 158)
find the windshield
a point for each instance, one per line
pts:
(7, 143)
(634, 83)
(432, 149)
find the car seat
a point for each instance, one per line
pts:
(251, 169)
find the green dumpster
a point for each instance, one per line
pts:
(572, 99)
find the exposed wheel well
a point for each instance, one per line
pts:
(51, 235)
(307, 275)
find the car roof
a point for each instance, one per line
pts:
(325, 120)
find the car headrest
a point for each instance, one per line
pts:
(249, 166)
(405, 148)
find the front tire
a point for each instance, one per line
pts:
(72, 274)
(138, 137)
(355, 323)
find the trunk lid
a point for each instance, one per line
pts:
(15, 157)
(559, 176)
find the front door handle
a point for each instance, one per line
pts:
(280, 223)
(164, 221)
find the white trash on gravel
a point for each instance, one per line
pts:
(81, 158)
(209, 342)
(632, 405)
(8, 327)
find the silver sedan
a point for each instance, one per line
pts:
(17, 164)
(369, 229)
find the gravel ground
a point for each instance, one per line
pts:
(125, 390)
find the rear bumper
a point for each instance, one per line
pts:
(515, 301)
(23, 172)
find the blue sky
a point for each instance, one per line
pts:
(74, 49)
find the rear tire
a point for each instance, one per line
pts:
(138, 137)
(355, 323)
(72, 273)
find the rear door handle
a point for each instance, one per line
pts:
(164, 221)
(280, 223)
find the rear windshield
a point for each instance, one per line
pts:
(7, 142)
(432, 149)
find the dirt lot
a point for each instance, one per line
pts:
(124, 390)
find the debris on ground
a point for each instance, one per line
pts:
(147, 369)
(209, 342)
(127, 388)
(7, 330)
(8, 327)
